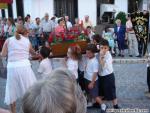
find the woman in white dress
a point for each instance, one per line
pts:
(20, 76)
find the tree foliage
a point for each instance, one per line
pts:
(122, 17)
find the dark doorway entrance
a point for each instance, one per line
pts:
(20, 8)
(10, 11)
(66, 7)
(133, 5)
(3, 13)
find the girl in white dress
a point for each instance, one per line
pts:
(73, 54)
(20, 76)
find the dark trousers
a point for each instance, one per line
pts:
(45, 37)
(81, 79)
(142, 47)
(148, 78)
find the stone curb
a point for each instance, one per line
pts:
(129, 61)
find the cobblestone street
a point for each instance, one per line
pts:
(130, 83)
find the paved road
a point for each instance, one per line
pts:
(130, 82)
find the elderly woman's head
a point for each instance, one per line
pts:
(118, 22)
(59, 93)
(20, 30)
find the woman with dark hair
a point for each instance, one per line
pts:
(61, 27)
(97, 39)
(19, 72)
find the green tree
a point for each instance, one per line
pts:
(122, 17)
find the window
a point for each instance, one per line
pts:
(107, 1)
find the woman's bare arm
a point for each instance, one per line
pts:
(4, 49)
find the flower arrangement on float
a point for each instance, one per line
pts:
(72, 35)
(60, 40)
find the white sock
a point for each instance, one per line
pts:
(103, 106)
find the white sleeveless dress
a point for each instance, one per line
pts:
(20, 75)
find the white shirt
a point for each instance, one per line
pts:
(108, 67)
(82, 63)
(91, 35)
(45, 67)
(129, 25)
(118, 28)
(91, 68)
(69, 25)
(18, 49)
(72, 66)
(87, 23)
(5, 28)
(46, 26)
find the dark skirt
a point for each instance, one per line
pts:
(121, 43)
(107, 88)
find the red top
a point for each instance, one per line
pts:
(6, 1)
(59, 29)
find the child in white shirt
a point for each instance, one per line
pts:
(91, 76)
(73, 54)
(45, 67)
(90, 33)
(107, 79)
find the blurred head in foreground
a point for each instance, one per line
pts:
(58, 93)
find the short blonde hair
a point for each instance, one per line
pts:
(118, 21)
(58, 93)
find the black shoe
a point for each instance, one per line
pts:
(103, 111)
(116, 107)
(122, 55)
(138, 56)
(130, 56)
(96, 105)
(119, 55)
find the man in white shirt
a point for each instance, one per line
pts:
(133, 44)
(68, 23)
(46, 28)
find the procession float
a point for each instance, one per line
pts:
(59, 42)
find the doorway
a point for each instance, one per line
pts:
(66, 7)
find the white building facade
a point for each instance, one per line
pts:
(37, 8)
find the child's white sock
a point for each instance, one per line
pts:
(103, 106)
